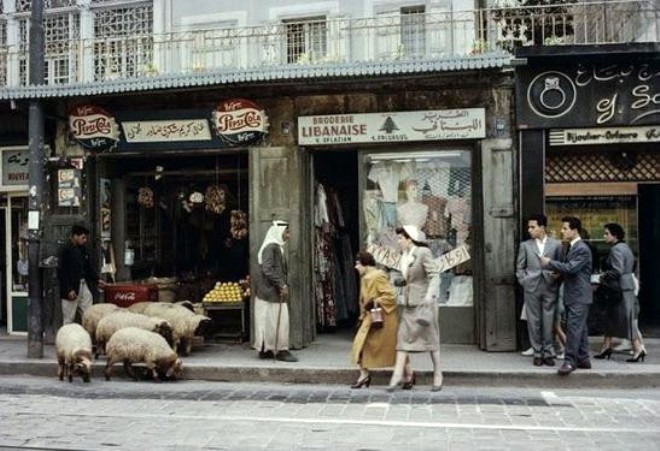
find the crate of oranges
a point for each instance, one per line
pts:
(225, 292)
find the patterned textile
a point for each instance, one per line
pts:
(436, 225)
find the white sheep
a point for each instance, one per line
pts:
(139, 307)
(74, 352)
(185, 324)
(94, 314)
(134, 345)
(123, 319)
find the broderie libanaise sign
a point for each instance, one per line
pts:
(240, 121)
(93, 127)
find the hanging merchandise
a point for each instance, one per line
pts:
(238, 224)
(216, 199)
(146, 197)
(196, 198)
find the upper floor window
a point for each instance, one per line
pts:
(413, 30)
(306, 39)
(26, 5)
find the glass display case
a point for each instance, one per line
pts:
(431, 190)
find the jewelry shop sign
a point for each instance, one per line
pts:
(434, 125)
(599, 136)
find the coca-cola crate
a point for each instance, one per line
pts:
(125, 295)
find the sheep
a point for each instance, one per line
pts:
(184, 323)
(94, 314)
(139, 307)
(120, 320)
(74, 352)
(134, 345)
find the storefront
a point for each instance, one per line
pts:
(590, 134)
(13, 224)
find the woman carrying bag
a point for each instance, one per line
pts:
(374, 345)
(419, 330)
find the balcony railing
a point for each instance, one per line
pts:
(334, 41)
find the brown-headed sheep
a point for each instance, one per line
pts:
(134, 345)
(74, 352)
(123, 319)
(185, 324)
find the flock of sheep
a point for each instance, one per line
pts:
(151, 333)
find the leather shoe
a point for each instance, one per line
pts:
(538, 361)
(549, 361)
(266, 354)
(565, 369)
(286, 356)
(584, 365)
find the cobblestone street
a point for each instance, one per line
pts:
(43, 413)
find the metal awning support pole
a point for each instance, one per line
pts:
(36, 185)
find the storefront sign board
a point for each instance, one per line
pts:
(93, 127)
(15, 167)
(588, 92)
(172, 130)
(599, 136)
(408, 126)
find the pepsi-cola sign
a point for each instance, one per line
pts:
(93, 127)
(240, 122)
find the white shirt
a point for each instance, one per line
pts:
(541, 244)
(575, 241)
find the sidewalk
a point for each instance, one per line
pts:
(326, 361)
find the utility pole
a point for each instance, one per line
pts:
(36, 185)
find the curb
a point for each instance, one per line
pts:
(338, 376)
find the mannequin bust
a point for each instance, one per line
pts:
(412, 212)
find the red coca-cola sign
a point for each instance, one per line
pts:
(93, 127)
(240, 122)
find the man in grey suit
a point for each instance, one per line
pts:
(541, 286)
(576, 274)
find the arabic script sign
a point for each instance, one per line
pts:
(166, 131)
(93, 127)
(392, 127)
(15, 167)
(240, 121)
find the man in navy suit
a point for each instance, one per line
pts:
(576, 273)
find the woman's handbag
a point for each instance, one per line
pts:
(424, 312)
(376, 314)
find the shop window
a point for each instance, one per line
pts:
(431, 190)
(594, 213)
(306, 39)
(413, 31)
(19, 238)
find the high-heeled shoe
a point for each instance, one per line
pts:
(409, 384)
(364, 382)
(604, 354)
(637, 357)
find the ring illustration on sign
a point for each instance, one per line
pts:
(552, 87)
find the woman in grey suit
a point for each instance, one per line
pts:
(417, 332)
(618, 280)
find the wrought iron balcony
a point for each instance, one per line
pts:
(403, 36)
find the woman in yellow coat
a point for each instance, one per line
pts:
(374, 347)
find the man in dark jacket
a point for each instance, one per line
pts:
(576, 274)
(76, 275)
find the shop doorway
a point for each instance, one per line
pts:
(336, 239)
(14, 211)
(649, 249)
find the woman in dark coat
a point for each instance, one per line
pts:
(618, 279)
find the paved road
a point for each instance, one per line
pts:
(43, 413)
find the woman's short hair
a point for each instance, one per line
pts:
(365, 259)
(615, 230)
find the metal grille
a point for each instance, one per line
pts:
(413, 31)
(26, 5)
(123, 45)
(594, 166)
(306, 40)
